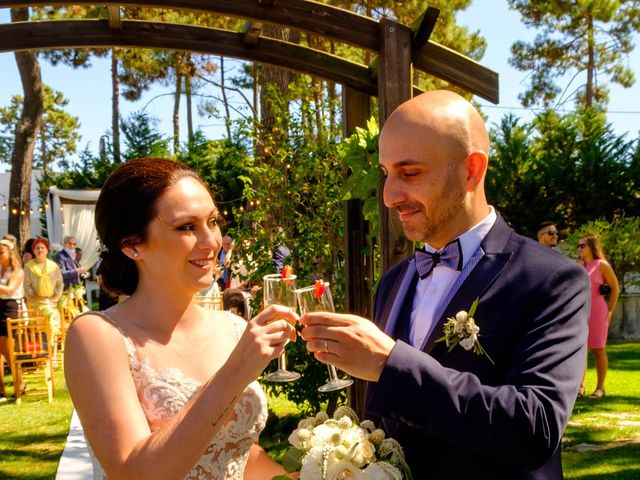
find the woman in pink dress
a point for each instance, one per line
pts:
(600, 271)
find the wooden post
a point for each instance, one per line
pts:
(394, 88)
(356, 109)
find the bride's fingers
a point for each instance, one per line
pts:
(276, 312)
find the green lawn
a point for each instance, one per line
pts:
(602, 440)
(603, 436)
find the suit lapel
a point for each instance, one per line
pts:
(481, 277)
(398, 292)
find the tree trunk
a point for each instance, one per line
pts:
(176, 109)
(187, 92)
(115, 106)
(280, 78)
(225, 100)
(25, 138)
(591, 62)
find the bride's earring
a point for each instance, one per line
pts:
(135, 254)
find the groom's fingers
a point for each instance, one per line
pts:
(353, 344)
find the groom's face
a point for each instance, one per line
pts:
(423, 182)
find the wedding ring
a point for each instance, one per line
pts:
(326, 346)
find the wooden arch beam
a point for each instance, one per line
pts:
(339, 24)
(97, 33)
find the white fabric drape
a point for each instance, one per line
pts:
(71, 212)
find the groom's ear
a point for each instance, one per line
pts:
(476, 163)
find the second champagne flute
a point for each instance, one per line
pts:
(278, 290)
(317, 298)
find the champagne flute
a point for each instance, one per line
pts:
(317, 298)
(279, 290)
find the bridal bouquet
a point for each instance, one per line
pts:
(343, 448)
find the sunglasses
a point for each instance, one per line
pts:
(582, 245)
(551, 232)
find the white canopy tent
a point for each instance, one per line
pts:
(71, 212)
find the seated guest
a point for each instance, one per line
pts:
(72, 272)
(233, 300)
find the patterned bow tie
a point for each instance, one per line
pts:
(450, 255)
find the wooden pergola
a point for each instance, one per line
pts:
(397, 47)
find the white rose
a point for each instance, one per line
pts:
(461, 320)
(325, 434)
(469, 342)
(312, 464)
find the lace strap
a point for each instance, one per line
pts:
(239, 324)
(128, 343)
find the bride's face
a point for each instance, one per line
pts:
(183, 240)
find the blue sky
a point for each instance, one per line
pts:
(90, 95)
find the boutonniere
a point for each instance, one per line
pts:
(462, 329)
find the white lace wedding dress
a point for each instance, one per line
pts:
(164, 392)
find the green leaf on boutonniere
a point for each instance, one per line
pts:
(280, 477)
(474, 305)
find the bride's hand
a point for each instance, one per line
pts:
(267, 333)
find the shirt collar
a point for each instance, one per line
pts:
(470, 240)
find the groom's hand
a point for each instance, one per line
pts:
(353, 344)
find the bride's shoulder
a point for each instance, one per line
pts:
(229, 320)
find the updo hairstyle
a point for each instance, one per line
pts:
(125, 207)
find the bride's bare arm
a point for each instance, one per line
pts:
(98, 377)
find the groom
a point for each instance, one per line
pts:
(499, 414)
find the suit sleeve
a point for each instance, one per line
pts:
(68, 269)
(520, 420)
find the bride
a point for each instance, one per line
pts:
(164, 388)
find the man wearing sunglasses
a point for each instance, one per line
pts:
(548, 234)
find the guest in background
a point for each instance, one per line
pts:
(66, 260)
(11, 293)
(43, 285)
(234, 301)
(591, 256)
(224, 262)
(27, 252)
(547, 234)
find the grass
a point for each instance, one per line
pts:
(602, 440)
(33, 434)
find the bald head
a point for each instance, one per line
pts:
(434, 152)
(445, 115)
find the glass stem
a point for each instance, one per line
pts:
(333, 374)
(282, 361)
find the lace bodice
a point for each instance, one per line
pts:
(164, 392)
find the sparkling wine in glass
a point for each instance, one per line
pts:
(278, 290)
(317, 298)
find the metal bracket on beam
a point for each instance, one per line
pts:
(422, 29)
(252, 31)
(115, 20)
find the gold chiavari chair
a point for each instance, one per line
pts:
(209, 303)
(31, 349)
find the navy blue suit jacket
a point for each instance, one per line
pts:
(458, 415)
(68, 267)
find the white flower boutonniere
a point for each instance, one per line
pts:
(462, 329)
